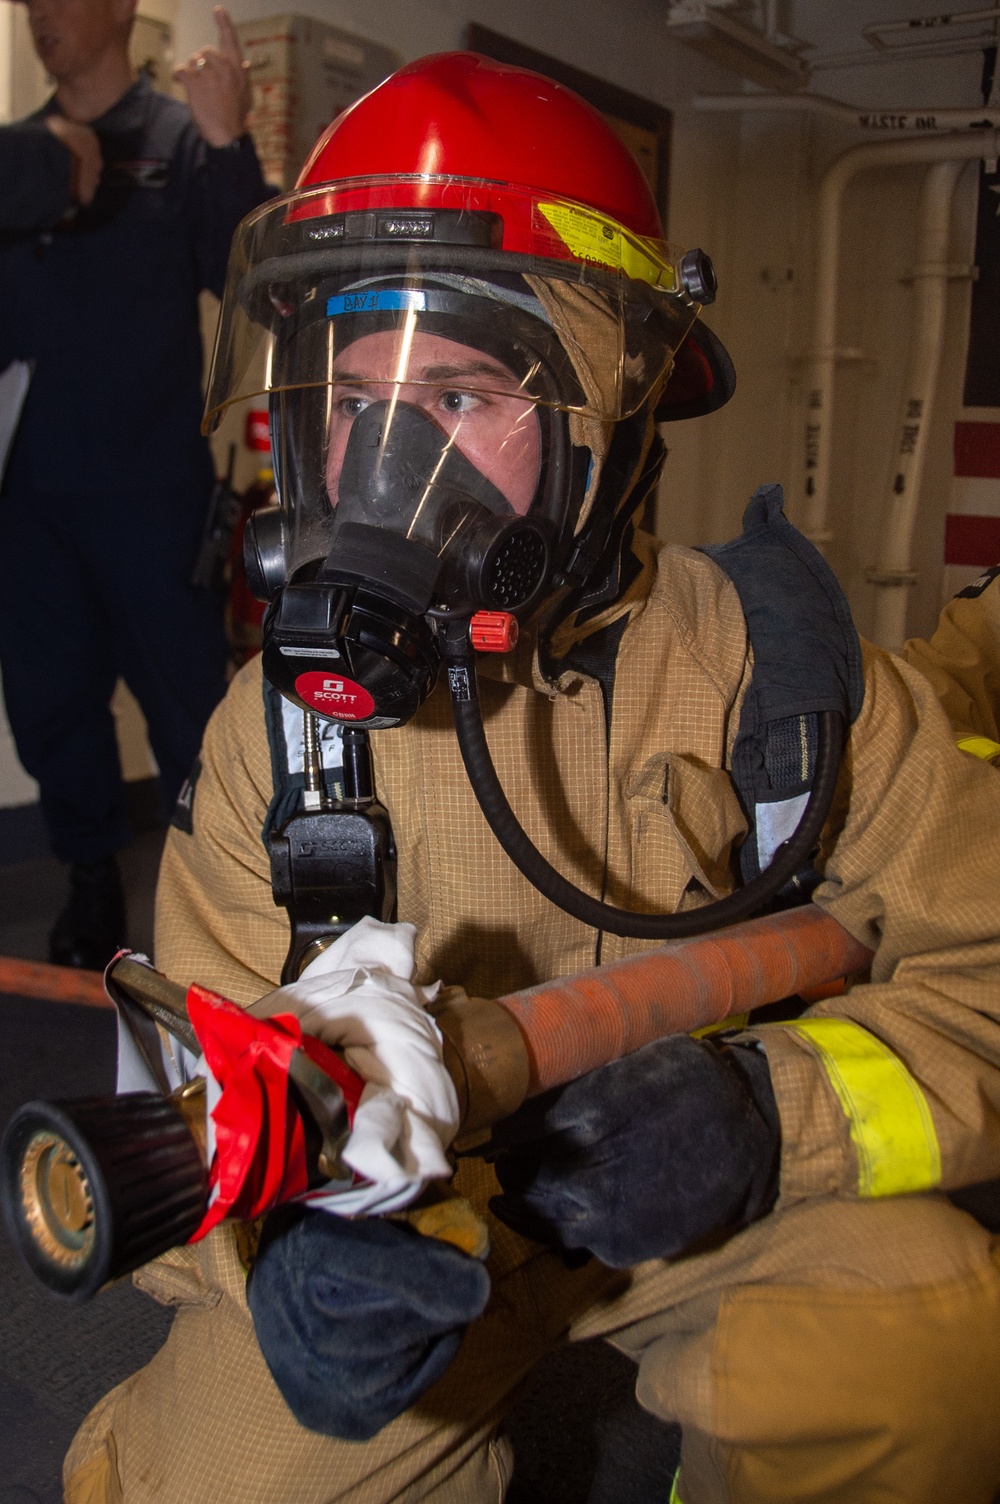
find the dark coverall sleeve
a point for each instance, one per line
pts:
(35, 171)
(227, 184)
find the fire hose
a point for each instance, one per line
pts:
(92, 1188)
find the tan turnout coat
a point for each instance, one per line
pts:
(962, 661)
(648, 815)
(911, 868)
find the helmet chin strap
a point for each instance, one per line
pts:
(789, 859)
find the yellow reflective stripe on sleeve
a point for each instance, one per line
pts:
(979, 746)
(891, 1125)
(675, 1497)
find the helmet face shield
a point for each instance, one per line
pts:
(382, 247)
(474, 317)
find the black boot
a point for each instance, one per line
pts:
(92, 925)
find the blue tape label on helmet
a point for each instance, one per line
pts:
(371, 301)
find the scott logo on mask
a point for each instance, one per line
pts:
(341, 699)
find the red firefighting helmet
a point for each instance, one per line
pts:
(516, 166)
(461, 115)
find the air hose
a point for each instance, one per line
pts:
(789, 859)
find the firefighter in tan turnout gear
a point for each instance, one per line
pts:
(470, 325)
(962, 661)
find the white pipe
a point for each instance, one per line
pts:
(893, 574)
(813, 501)
(919, 121)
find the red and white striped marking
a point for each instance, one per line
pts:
(972, 526)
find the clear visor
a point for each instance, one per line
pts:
(494, 427)
(415, 434)
(568, 309)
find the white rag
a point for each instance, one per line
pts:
(359, 996)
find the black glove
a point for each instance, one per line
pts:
(646, 1156)
(357, 1319)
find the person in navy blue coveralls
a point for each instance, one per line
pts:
(106, 488)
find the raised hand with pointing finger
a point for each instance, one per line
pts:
(217, 83)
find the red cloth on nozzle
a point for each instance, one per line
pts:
(260, 1158)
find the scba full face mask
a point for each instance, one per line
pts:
(423, 482)
(447, 341)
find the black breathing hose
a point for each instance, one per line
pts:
(789, 859)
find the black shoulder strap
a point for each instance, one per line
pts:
(807, 659)
(978, 586)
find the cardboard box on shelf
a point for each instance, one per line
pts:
(304, 73)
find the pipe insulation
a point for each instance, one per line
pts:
(893, 573)
(814, 497)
